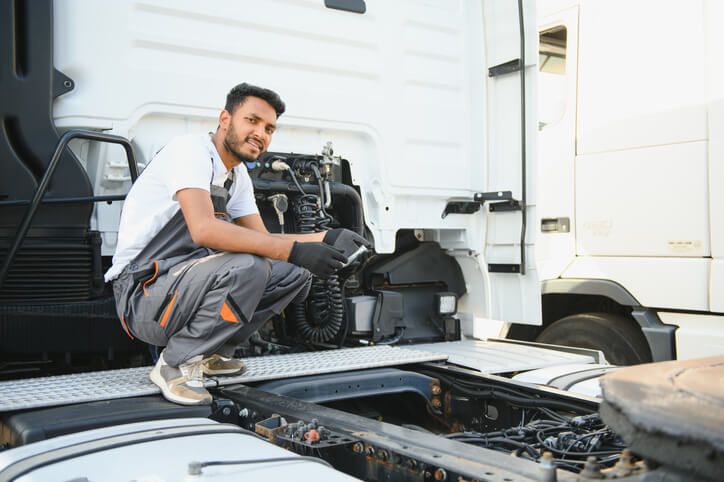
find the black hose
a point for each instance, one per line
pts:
(337, 188)
(320, 318)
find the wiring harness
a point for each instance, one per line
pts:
(542, 428)
(570, 440)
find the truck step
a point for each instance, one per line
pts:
(507, 356)
(134, 382)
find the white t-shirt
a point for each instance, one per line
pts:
(185, 162)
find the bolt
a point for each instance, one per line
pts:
(383, 455)
(624, 466)
(194, 468)
(68, 84)
(436, 403)
(436, 390)
(591, 469)
(440, 474)
(244, 413)
(626, 457)
(226, 411)
(358, 447)
(370, 451)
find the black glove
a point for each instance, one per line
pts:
(345, 240)
(318, 258)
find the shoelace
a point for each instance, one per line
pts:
(194, 373)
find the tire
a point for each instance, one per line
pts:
(619, 338)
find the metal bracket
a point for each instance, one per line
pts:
(505, 202)
(503, 268)
(483, 197)
(505, 68)
(460, 207)
(504, 206)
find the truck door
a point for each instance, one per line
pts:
(557, 77)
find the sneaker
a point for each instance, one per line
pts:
(220, 365)
(183, 385)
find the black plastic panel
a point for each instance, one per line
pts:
(425, 264)
(22, 428)
(52, 268)
(355, 6)
(27, 135)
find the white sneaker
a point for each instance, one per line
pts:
(183, 385)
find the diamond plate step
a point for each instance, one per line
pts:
(496, 357)
(134, 382)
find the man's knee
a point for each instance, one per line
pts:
(303, 280)
(249, 268)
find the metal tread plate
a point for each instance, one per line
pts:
(134, 382)
(496, 357)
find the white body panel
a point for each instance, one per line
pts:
(166, 459)
(636, 159)
(656, 282)
(402, 91)
(697, 336)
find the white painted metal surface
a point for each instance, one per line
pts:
(132, 382)
(544, 376)
(167, 458)
(496, 357)
(698, 335)
(644, 154)
(654, 282)
(624, 203)
(402, 91)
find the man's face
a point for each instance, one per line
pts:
(250, 129)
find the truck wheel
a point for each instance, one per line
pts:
(619, 338)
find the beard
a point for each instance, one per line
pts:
(233, 145)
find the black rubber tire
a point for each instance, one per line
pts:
(620, 339)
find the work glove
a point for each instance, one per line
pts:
(319, 258)
(345, 240)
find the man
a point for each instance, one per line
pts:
(195, 270)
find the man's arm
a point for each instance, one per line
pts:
(214, 233)
(254, 222)
(206, 230)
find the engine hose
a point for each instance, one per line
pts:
(320, 317)
(336, 188)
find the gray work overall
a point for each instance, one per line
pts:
(195, 300)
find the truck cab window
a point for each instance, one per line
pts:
(552, 75)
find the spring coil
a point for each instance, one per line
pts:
(319, 318)
(307, 213)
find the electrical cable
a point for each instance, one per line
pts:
(195, 467)
(570, 439)
(498, 392)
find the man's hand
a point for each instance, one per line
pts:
(320, 259)
(345, 240)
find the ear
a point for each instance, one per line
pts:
(224, 119)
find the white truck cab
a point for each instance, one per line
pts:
(630, 199)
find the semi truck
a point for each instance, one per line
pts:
(630, 179)
(411, 123)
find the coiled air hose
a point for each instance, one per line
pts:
(320, 317)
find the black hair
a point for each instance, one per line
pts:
(239, 93)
